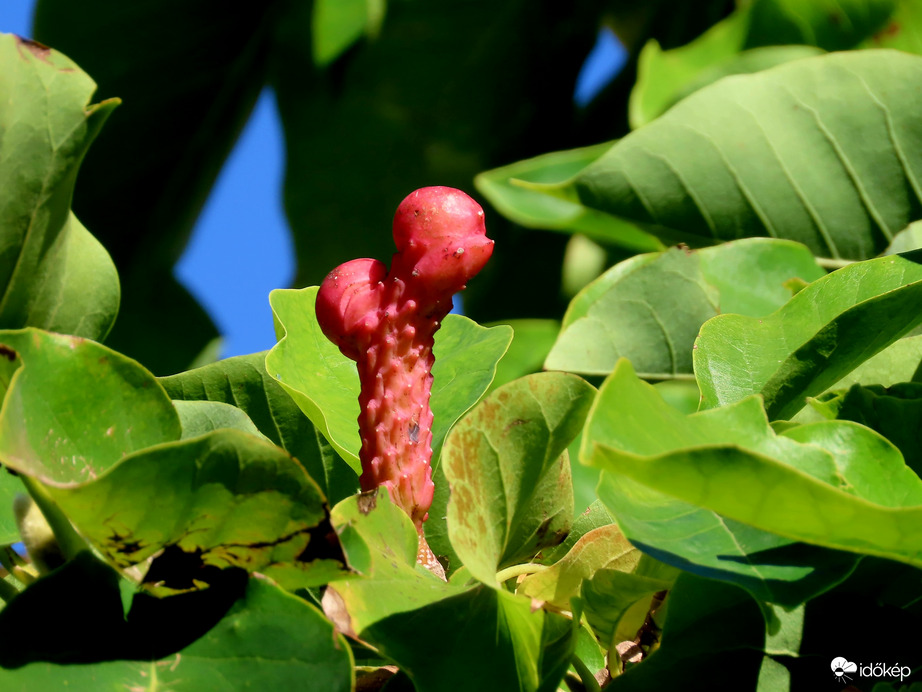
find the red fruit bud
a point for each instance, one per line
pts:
(386, 323)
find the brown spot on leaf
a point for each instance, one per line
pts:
(39, 50)
(7, 352)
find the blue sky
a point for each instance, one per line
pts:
(242, 232)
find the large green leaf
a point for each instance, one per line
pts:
(244, 382)
(267, 640)
(325, 384)
(225, 499)
(721, 490)
(509, 473)
(496, 639)
(822, 333)
(821, 150)
(337, 24)
(649, 308)
(53, 273)
(664, 77)
(74, 408)
(533, 210)
(630, 421)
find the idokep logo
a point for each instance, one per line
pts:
(841, 667)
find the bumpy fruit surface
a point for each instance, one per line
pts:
(386, 322)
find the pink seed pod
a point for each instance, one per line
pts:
(386, 322)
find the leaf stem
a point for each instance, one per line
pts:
(68, 539)
(517, 570)
(588, 679)
(833, 263)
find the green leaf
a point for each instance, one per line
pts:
(84, 406)
(907, 240)
(821, 334)
(495, 638)
(833, 484)
(225, 499)
(593, 517)
(337, 24)
(894, 364)
(186, 99)
(10, 485)
(616, 602)
(531, 342)
(602, 548)
(200, 417)
(649, 308)
(630, 421)
(325, 384)
(818, 150)
(511, 493)
(902, 31)
(533, 210)
(665, 77)
(895, 412)
(53, 273)
(244, 382)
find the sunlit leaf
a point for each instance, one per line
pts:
(649, 308)
(819, 150)
(509, 474)
(53, 273)
(821, 334)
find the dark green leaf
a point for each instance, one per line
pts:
(53, 273)
(244, 382)
(509, 474)
(267, 640)
(819, 150)
(821, 334)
